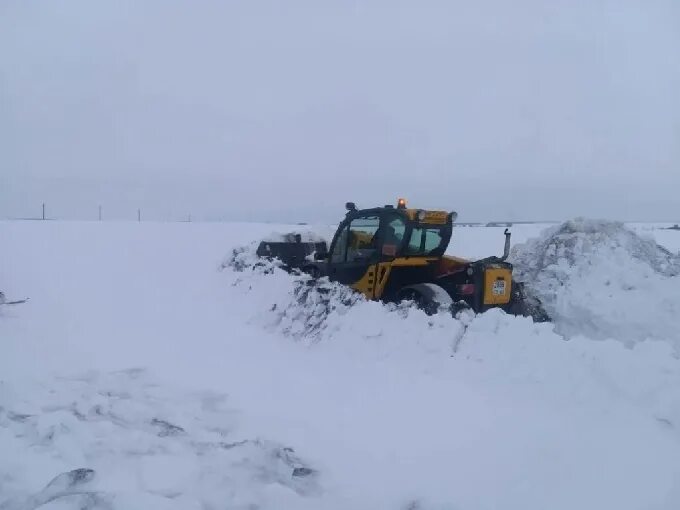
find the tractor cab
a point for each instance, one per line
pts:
(388, 232)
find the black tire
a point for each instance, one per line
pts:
(429, 298)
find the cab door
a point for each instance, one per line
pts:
(391, 241)
(355, 254)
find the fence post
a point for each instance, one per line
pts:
(139, 215)
(43, 211)
(100, 213)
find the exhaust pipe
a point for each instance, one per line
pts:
(506, 250)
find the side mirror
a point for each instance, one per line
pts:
(320, 255)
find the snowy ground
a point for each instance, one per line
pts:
(174, 381)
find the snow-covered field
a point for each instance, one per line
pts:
(182, 386)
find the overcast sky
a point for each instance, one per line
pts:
(270, 110)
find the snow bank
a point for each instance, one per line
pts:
(602, 280)
(311, 311)
(595, 278)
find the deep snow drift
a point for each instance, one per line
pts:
(603, 280)
(599, 279)
(383, 407)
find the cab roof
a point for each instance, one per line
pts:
(433, 217)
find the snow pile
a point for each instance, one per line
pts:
(137, 445)
(602, 280)
(312, 310)
(244, 258)
(300, 306)
(579, 371)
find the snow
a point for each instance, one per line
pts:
(184, 384)
(603, 280)
(125, 427)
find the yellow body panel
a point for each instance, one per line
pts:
(431, 217)
(412, 261)
(435, 217)
(497, 286)
(367, 283)
(372, 284)
(384, 270)
(497, 280)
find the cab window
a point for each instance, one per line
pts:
(362, 242)
(340, 248)
(425, 241)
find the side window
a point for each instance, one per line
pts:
(424, 241)
(433, 240)
(340, 248)
(363, 242)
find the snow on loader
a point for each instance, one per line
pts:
(398, 254)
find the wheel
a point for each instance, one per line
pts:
(427, 297)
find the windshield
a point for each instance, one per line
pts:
(426, 240)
